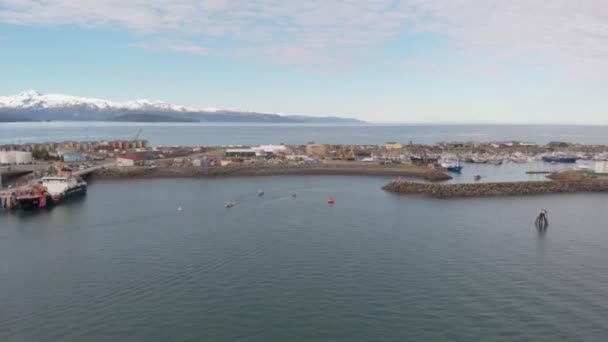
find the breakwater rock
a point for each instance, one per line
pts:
(496, 189)
(242, 171)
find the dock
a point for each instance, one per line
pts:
(538, 172)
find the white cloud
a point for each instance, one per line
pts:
(287, 31)
(165, 44)
(572, 35)
(569, 35)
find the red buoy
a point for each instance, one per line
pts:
(331, 200)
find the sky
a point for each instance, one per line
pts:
(411, 61)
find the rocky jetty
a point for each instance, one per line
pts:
(496, 189)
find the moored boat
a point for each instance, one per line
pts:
(551, 159)
(48, 192)
(63, 188)
(451, 166)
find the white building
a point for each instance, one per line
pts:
(7, 157)
(272, 148)
(601, 166)
(15, 157)
(125, 161)
(23, 157)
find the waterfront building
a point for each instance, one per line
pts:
(392, 145)
(601, 166)
(71, 156)
(126, 161)
(241, 153)
(274, 149)
(7, 157)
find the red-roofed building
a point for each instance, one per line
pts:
(126, 161)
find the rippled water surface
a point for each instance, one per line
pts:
(169, 134)
(125, 265)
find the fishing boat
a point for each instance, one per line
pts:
(64, 187)
(451, 166)
(551, 159)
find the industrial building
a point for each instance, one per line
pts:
(15, 157)
(71, 156)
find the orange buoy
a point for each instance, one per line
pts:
(331, 200)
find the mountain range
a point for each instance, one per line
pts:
(34, 106)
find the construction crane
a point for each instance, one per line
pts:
(137, 135)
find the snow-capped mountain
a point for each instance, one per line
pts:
(32, 105)
(32, 99)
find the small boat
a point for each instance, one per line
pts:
(331, 200)
(260, 193)
(496, 162)
(294, 195)
(478, 160)
(474, 159)
(477, 177)
(230, 204)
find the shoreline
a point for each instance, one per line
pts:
(252, 171)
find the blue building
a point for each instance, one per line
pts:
(73, 157)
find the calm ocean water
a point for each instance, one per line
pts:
(249, 134)
(125, 265)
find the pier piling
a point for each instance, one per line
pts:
(541, 220)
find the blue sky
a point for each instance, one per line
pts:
(377, 60)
